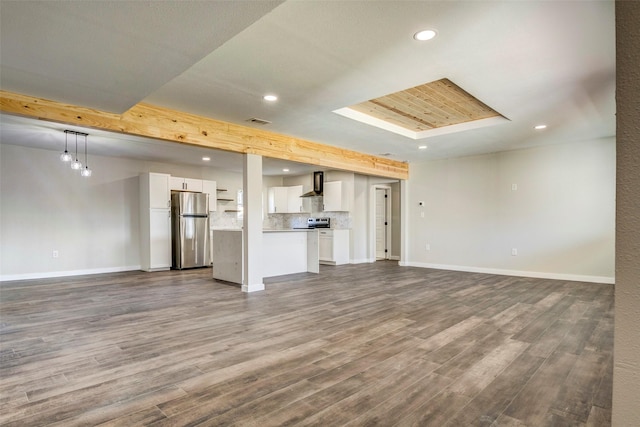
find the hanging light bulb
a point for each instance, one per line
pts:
(76, 165)
(86, 172)
(66, 156)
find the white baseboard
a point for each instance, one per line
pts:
(394, 258)
(534, 274)
(52, 274)
(255, 287)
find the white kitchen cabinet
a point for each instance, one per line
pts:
(210, 188)
(159, 239)
(285, 199)
(185, 184)
(325, 238)
(155, 190)
(333, 246)
(278, 200)
(336, 196)
(294, 201)
(155, 222)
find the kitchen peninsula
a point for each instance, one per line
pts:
(285, 251)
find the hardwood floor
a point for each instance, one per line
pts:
(356, 345)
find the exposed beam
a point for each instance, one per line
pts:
(170, 125)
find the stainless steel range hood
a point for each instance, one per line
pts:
(318, 183)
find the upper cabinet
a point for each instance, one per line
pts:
(294, 201)
(177, 183)
(278, 200)
(336, 196)
(185, 184)
(154, 189)
(285, 199)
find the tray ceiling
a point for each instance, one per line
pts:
(435, 105)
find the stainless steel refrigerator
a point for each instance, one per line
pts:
(189, 229)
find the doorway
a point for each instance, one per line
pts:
(382, 222)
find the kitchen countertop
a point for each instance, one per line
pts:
(279, 230)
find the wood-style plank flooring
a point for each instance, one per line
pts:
(357, 345)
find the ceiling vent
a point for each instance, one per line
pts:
(258, 121)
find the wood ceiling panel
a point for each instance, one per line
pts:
(431, 105)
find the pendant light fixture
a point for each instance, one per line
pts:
(86, 172)
(76, 165)
(66, 156)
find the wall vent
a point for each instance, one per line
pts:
(258, 121)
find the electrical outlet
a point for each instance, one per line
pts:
(427, 247)
(514, 187)
(514, 252)
(55, 254)
(421, 214)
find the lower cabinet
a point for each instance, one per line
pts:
(155, 240)
(333, 246)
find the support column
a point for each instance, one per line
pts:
(626, 346)
(404, 223)
(252, 223)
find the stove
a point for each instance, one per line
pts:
(316, 223)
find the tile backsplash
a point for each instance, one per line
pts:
(276, 221)
(220, 219)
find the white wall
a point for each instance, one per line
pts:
(560, 219)
(45, 206)
(93, 223)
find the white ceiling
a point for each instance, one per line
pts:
(534, 62)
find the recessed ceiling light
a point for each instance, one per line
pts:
(540, 127)
(270, 98)
(206, 159)
(422, 147)
(285, 170)
(425, 35)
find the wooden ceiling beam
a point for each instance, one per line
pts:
(170, 125)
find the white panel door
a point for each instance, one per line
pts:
(381, 223)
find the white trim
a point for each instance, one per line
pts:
(394, 258)
(534, 274)
(253, 288)
(404, 222)
(52, 274)
(383, 124)
(372, 217)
